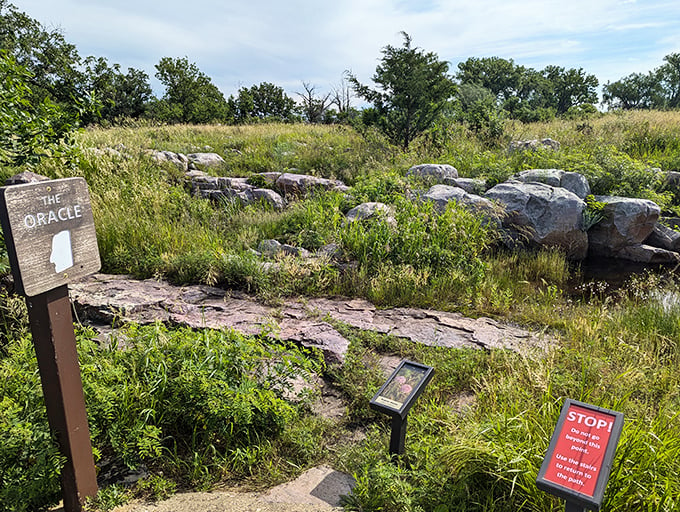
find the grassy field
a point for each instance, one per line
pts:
(477, 436)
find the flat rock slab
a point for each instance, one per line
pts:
(113, 299)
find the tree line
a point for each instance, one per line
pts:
(44, 79)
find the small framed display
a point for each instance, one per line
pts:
(403, 387)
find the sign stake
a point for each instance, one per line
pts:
(55, 347)
(51, 240)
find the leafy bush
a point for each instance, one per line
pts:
(188, 403)
(27, 131)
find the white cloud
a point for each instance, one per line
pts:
(243, 43)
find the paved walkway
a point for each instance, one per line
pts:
(317, 490)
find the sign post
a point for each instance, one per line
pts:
(579, 458)
(397, 396)
(51, 240)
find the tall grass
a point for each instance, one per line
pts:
(477, 436)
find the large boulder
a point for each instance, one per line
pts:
(442, 195)
(543, 216)
(205, 160)
(295, 184)
(534, 144)
(177, 159)
(572, 181)
(369, 210)
(664, 238)
(626, 222)
(643, 253)
(434, 173)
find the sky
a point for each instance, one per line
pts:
(288, 42)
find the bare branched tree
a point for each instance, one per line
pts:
(313, 106)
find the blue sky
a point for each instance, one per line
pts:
(287, 42)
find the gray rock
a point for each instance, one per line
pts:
(205, 160)
(272, 248)
(177, 159)
(664, 238)
(442, 195)
(572, 181)
(626, 222)
(330, 251)
(434, 173)
(471, 185)
(300, 184)
(368, 210)
(534, 144)
(118, 299)
(270, 177)
(269, 248)
(239, 184)
(642, 253)
(25, 177)
(543, 216)
(267, 195)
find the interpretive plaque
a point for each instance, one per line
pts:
(49, 232)
(397, 396)
(579, 458)
(399, 393)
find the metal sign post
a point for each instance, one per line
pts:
(51, 240)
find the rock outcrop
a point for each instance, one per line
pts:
(542, 215)
(110, 299)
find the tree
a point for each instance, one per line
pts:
(190, 96)
(118, 95)
(413, 90)
(635, 91)
(28, 130)
(658, 89)
(669, 78)
(263, 102)
(527, 94)
(50, 61)
(570, 88)
(313, 107)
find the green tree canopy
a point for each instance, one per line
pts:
(118, 95)
(527, 94)
(263, 102)
(190, 96)
(28, 130)
(51, 62)
(413, 88)
(659, 89)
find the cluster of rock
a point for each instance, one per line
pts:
(273, 188)
(547, 207)
(539, 207)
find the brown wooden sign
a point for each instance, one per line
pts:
(50, 234)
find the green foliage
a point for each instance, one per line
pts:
(527, 94)
(28, 130)
(593, 212)
(119, 95)
(264, 102)
(414, 87)
(51, 61)
(190, 96)
(658, 89)
(30, 462)
(187, 403)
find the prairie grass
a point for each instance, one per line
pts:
(477, 436)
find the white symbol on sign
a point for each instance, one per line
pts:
(62, 254)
